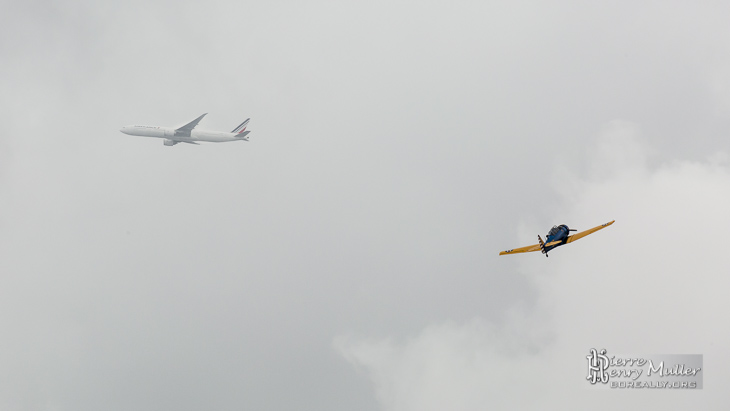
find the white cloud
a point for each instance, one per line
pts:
(654, 282)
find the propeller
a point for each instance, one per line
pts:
(542, 245)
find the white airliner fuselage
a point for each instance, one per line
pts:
(187, 134)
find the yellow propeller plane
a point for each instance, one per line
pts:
(557, 236)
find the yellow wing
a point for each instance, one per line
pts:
(582, 234)
(527, 249)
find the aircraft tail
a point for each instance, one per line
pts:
(241, 127)
(240, 131)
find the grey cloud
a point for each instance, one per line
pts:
(394, 151)
(652, 283)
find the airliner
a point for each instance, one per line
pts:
(187, 134)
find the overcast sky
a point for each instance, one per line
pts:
(346, 257)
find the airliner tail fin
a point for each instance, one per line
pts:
(241, 127)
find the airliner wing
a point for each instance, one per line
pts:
(582, 234)
(191, 125)
(527, 249)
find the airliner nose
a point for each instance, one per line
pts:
(124, 130)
